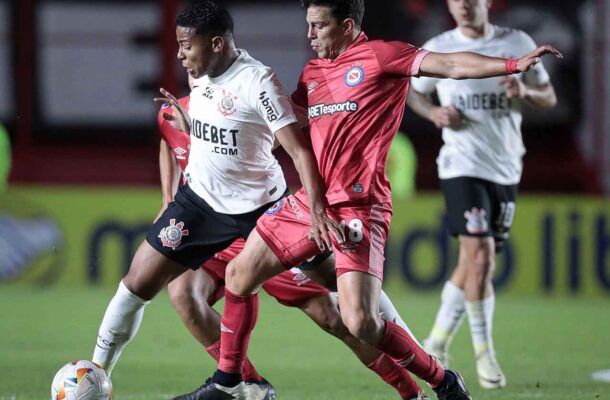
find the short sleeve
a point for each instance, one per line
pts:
(298, 100)
(268, 98)
(537, 75)
(399, 58)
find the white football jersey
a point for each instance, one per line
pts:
(233, 120)
(489, 143)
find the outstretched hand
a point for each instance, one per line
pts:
(532, 58)
(178, 118)
(321, 225)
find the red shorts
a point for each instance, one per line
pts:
(291, 288)
(366, 230)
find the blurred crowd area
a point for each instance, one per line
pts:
(81, 76)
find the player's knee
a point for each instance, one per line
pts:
(239, 280)
(360, 325)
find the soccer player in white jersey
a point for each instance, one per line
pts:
(237, 110)
(479, 168)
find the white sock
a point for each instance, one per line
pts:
(120, 324)
(449, 317)
(480, 316)
(388, 312)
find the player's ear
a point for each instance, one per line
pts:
(348, 26)
(218, 43)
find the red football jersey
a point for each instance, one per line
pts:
(355, 104)
(176, 139)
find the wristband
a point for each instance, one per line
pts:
(511, 66)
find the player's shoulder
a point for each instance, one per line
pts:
(442, 41)
(512, 35)
(251, 68)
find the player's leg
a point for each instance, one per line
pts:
(193, 294)
(150, 271)
(324, 311)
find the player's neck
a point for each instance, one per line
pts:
(475, 32)
(226, 61)
(341, 49)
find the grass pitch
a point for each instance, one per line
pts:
(548, 348)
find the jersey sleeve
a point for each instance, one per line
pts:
(399, 58)
(537, 75)
(268, 98)
(424, 84)
(298, 100)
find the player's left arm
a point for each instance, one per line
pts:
(541, 96)
(292, 140)
(467, 65)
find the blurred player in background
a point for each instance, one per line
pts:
(353, 95)
(479, 167)
(238, 110)
(195, 292)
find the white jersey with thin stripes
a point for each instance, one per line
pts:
(488, 144)
(234, 118)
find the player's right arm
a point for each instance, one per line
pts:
(170, 172)
(423, 106)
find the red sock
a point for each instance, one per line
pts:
(248, 372)
(238, 321)
(396, 376)
(398, 344)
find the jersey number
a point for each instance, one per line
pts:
(355, 234)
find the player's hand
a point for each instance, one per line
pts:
(445, 117)
(532, 58)
(321, 225)
(514, 87)
(179, 118)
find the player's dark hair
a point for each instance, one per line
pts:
(206, 17)
(340, 9)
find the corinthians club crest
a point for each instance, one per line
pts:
(226, 105)
(171, 236)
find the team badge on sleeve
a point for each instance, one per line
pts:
(354, 76)
(476, 220)
(171, 236)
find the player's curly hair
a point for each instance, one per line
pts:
(340, 9)
(207, 17)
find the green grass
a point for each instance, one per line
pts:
(547, 347)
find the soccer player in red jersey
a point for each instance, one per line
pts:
(195, 292)
(354, 94)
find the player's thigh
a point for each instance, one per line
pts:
(150, 271)
(189, 231)
(322, 270)
(285, 230)
(293, 288)
(358, 298)
(504, 199)
(469, 206)
(366, 230)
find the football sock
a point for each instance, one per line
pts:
(396, 376)
(248, 372)
(238, 321)
(480, 316)
(450, 316)
(120, 324)
(388, 312)
(408, 354)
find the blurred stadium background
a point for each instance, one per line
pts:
(77, 82)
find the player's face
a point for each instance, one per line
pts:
(195, 52)
(469, 13)
(327, 37)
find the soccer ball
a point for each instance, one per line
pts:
(81, 380)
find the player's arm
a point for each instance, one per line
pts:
(423, 106)
(170, 174)
(541, 96)
(466, 65)
(291, 139)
